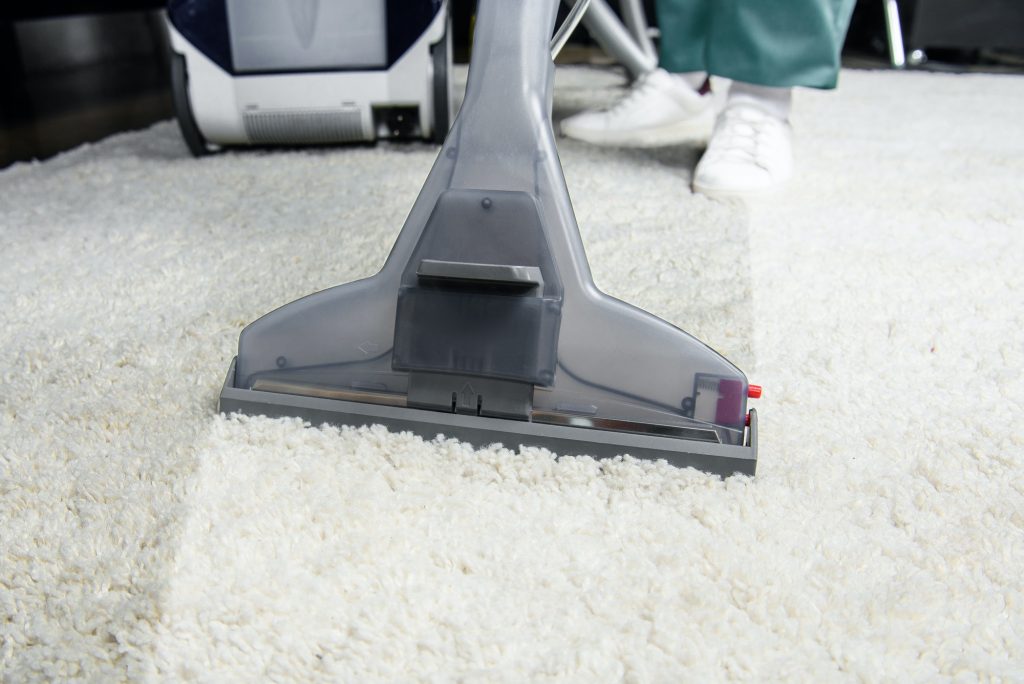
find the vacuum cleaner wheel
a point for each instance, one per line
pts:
(183, 108)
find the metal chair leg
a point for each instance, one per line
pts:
(636, 22)
(894, 30)
(603, 24)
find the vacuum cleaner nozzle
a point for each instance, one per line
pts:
(484, 323)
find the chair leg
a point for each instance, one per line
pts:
(604, 26)
(636, 22)
(894, 30)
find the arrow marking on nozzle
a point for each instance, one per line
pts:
(468, 394)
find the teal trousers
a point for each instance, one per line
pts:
(765, 42)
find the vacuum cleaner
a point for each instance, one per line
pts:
(268, 72)
(484, 324)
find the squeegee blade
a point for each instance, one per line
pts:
(481, 431)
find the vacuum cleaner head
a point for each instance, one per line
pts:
(263, 72)
(484, 324)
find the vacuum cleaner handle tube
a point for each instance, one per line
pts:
(502, 137)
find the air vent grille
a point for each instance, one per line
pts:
(303, 126)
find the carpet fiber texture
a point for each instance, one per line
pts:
(879, 300)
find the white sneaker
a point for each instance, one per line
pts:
(750, 153)
(660, 109)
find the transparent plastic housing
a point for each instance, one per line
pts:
(271, 36)
(495, 206)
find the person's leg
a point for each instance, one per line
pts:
(684, 28)
(661, 108)
(766, 49)
(792, 43)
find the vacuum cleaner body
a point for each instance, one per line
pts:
(262, 72)
(484, 323)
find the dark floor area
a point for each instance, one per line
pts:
(77, 79)
(85, 105)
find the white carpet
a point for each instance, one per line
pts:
(879, 300)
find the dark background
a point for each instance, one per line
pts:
(76, 71)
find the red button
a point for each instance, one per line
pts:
(754, 391)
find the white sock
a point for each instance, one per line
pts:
(776, 101)
(694, 79)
